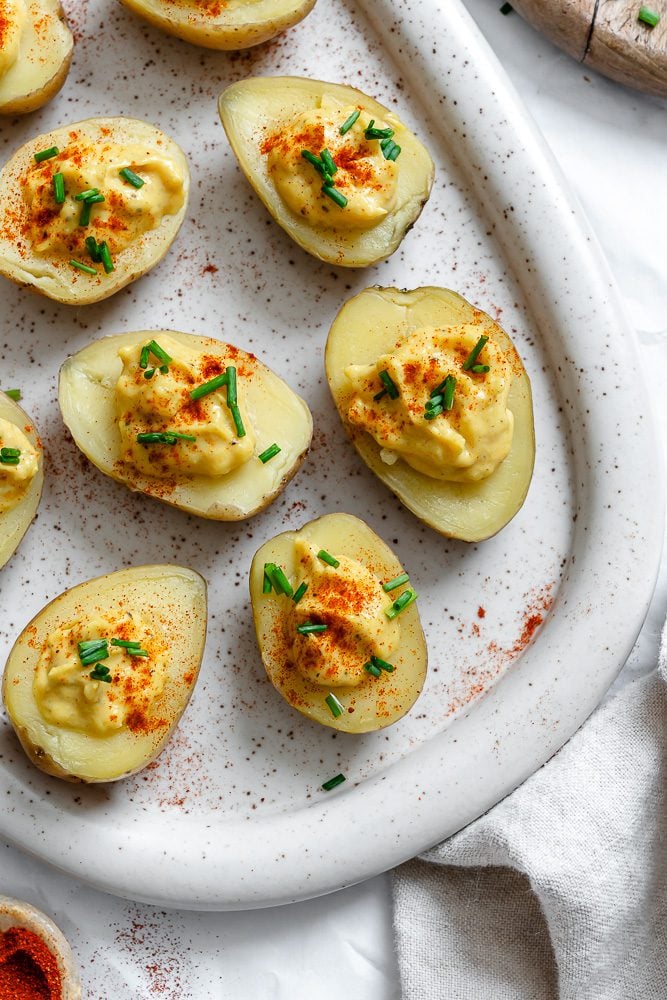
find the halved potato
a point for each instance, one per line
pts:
(278, 415)
(35, 54)
(222, 24)
(254, 111)
(368, 326)
(97, 144)
(377, 701)
(15, 522)
(173, 599)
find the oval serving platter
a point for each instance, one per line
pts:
(525, 631)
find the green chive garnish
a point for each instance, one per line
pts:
(86, 209)
(14, 394)
(277, 577)
(84, 195)
(649, 17)
(348, 123)
(372, 669)
(87, 644)
(93, 249)
(299, 592)
(377, 133)
(46, 154)
(232, 397)
(143, 357)
(334, 705)
(325, 557)
(475, 353)
(94, 656)
(313, 160)
(433, 413)
(82, 267)
(331, 192)
(158, 352)
(506, 8)
(480, 369)
(238, 421)
(148, 374)
(59, 188)
(309, 627)
(398, 581)
(126, 643)
(434, 401)
(448, 395)
(10, 456)
(210, 386)
(270, 453)
(390, 149)
(131, 178)
(100, 673)
(401, 603)
(105, 256)
(267, 586)
(168, 437)
(340, 778)
(390, 387)
(328, 161)
(382, 664)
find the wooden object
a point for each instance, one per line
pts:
(607, 36)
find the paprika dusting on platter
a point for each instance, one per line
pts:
(28, 968)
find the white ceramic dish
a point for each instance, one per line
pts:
(232, 815)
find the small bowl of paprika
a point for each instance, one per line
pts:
(36, 961)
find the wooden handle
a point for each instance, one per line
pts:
(606, 35)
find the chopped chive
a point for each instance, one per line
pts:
(167, 437)
(309, 627)
(388, 384)
(238, 421)
(210, 386)
(59, 188)
(14, 394)
(377, 133)
(105, 255)
(87, 644)
(277, 576)
(435, 412)
(378, 395)
(148, 374)
(93, 657)
(82, 267)
(382, 664)
(339, 778)
(390, 149)
(269, 453)
(46, 154)
(475, 353)
(126, 643)
(84, 195)
(84, 218)
(313, 160)
(402, 602)
(93, 249)
(331, 192)
(335, 706)
(6, 460)
(143, 357)
(649, 17)
(506, 8)
(348, 123)
(137, 652)
(100, 673)
(329, 559)
(158, 352)
(232, 396)
(434, 401)
(10, 452)
(299, 592)
(131, 178)
(398, 581)
(480, 369)
(372, 669)
(328, 161)
(267, 586)
(450, 389)
(163, 369)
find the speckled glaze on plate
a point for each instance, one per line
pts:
(526, 631)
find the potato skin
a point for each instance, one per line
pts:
(15, 523)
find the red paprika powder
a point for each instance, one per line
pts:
(28, 968)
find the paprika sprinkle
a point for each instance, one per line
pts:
(28, 968)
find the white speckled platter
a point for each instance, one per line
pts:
(232, 815)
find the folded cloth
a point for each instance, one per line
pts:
(560, 891)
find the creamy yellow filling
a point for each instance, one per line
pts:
(67, 696)
(364, 177)
(464, 444)
(162, 403)
(13, 19)
(350, 601)
(15, 479)
(126, 212)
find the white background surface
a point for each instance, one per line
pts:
(612, 147)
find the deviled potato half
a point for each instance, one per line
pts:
(21, 475)
(438, 404)
(87, 208)
(342, 174)
(35, 54)
(222, 24)
(192, 421)
(337, 624)
(97, 681)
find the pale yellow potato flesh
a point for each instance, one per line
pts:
(15, 522)
(252, 110)
(376, 702)
(278, 415)
(55, 278)
(222, 24)
(368, 326)
(43, 62)
(175, 597)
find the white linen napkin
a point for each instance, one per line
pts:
(560, 891)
